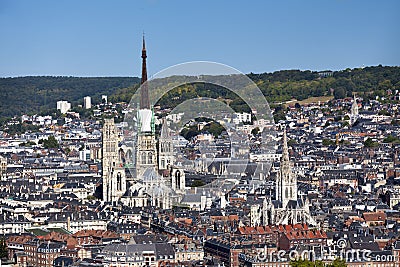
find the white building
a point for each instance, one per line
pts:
(75, 225)
(138, 255)
(104, 99)
(12, 226)
(87, 102)
(84, 154)
(63, 106)
(175, 117)
(241, 117)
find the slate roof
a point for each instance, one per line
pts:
(162, 250)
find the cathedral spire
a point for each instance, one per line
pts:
(285, 150)
(164, 129)
(144, 94)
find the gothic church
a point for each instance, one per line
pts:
(157, 182)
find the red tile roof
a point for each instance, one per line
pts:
(374, 216)
(306, 234)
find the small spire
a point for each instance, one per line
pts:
(164, 130)
(285, 150)
(144, 43)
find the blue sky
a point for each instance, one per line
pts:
(103, 38)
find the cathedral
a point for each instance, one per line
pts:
(156, 181)
(287, 208)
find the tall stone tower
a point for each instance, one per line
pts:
(114, 179)
(146, 152)
(286, 182)
(165, 148)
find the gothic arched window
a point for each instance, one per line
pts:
(150, 158)
(168, 145)
(119, 182)
(177, 179)
(162, 164)
(144, 158)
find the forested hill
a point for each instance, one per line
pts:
(286, 85)
(40, 93)
(37, 94)
(367, 82)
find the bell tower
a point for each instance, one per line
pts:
(114, 179)
(165, 148)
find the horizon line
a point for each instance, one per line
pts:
(122, 76)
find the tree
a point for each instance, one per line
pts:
(395, 122)
(90, 197)
(345, 123)
(369, 143)
(308, 263)
(339, 93)
(292, 142)
(391, 139)
(50, 142)
(385, 85)
(214, 128)
(255, 131)
(327, 142)
(337, 263)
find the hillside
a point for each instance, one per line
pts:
(282, 86)
(40, 93)
(36, 94)
(285, 85)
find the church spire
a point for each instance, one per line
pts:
(354, 111)
(144, 94)
(285, 150)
